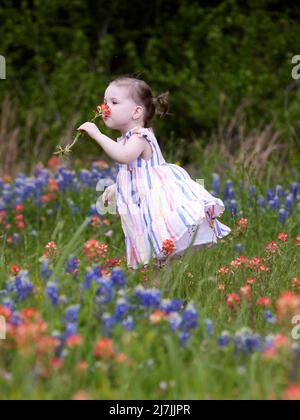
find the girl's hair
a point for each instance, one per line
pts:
(142, 94)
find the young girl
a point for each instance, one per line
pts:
(160, 206)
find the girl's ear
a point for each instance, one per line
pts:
(138, 112)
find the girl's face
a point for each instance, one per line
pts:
(124, 111)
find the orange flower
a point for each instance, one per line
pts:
(157, 316)
(74, 341)
(53, 185)
(224, 270)
(232, 300)
(272, 247)
(104, 348)
(94, 249)
(243, 224)
(19, 208)
(292, 393)
(283, 237)
(53, 163)
(250, 280)
(246, 292)
(264, 301)
(15, 269)
(296, 283)
(168, 247)
(51, 249)
(288, 304)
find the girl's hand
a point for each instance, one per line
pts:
(109, 194)
(91, 129)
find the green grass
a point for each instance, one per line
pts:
(156, 365)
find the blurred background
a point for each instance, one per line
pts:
(227, 64)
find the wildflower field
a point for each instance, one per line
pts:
(77, 324)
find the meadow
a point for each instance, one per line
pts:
(220, 323)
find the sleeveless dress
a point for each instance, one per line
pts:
(159, 201)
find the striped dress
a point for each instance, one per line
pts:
(157, 201)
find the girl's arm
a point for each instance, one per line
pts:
(116, 151)
(123, 154)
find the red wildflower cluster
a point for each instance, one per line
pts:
(233, 300)
(272, 247)
(50, 250)
(288, 305)
(104, 110)
(94, 249)
(104, 350)
(264, 301)
(283, 237)
(242, 224)
(168, 247)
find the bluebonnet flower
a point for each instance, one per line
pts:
(233, 207)
(269, 317)
(168, 305)
(148, 297)
(228, 187)
(128, 323)
(246, 341)
(289, 204)
(23, 286)
(174, 321)
(216, 182)
(46, 272)
(260, 201)
(251, 190)
(52, 292)
(184, 337)
(239, 248)
(282, 216)
(71, 314)
(108, 322)
(92, 273)
(189, 318)
(279, 191)
(105, 293)
(118, 277)
(224, 339)
(294, 189)
(270, 194)
(72, 265)
(121, 309)
(8, 303)
(70, 329)
(209, 327)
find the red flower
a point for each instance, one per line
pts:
(288, 304)
(15, 269)
(224, 270)
(168, 247)
(243, 224)
(296, 283)
(283, 237)
(104, 348)
(297, 240)
(292, 393)
(104, 110)
(246, 292)
(250, 280)
(94, 249)
(264, 301)
(272, 247)
(232, 300)
(51, 249)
